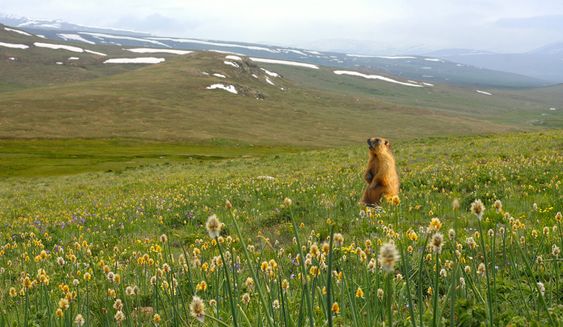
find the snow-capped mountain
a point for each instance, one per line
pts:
(43, 24)
(448, 67)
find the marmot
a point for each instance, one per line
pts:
(381, 173)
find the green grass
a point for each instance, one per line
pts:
(44, 157)
(115, 218)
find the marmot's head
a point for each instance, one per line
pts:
(378, 145)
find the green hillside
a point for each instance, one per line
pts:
(169, 101)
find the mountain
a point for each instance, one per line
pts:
(62, 89)
(544, 63)
(555, 49)
(413, 67)
(59, 25)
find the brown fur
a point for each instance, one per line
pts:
(381, 173)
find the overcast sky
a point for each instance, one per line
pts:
(498, 25)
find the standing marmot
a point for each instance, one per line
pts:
(381, 173)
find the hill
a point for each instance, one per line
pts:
(429, 69)
(303, 106)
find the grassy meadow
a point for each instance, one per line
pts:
(287, 243)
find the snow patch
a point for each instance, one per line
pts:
(74, 37)
(14, 45)
(284, 62)
(59, 63)
(483, 92)
(433, 59)
(269, 81)
(219, 75)
(228, 88)
(14, 59)
(377, 77)
(233, 57)
(73, 58)
(96, 53)
(427, 84)
(552, 109)
(205, 73)
(17, 31)
(230, 63)
(270, 73)
(140, 60)
(153, 50)
(58, 47)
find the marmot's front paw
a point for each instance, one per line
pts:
(368, 177)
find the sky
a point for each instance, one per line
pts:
(368, 26)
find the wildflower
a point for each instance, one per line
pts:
(411, 234)
(276, 304)
(110, 276)
(87, 276)
(398, 278)
(555, 251)
(75, 282)
(213, 226)
(213, 302)
(388, 256)
(59, 313)
(477, 208)
(201, 286)
(558, 216)
(314, 271)
(130, 291)
(395, 200)
(462, 282)
(451, 233)
(60, 261)
(443, 273)
(79, 320)
(471, 243)
(535, 206)
(380, 294)
(455, 204)
(314, 250)
(163, 238)
(498, 206)
(491, 232)
(245, 298)
(546, 231)
(287, 202)
(541, 287)
(335, 308)
(197, 308)
(119, 316)
(228, 204)
(481, 269)
(467, 269)
(13, 292)
(435, 225)
(359, 292)
(437, 242)
(285, 285)
(156, 318)
(118, 305)
(63, 304)
(430, 291)
(338, 239)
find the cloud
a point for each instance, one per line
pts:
(481, 24)
(549, 22)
